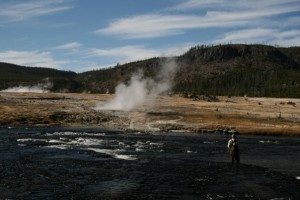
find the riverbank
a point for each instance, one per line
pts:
(265, 116)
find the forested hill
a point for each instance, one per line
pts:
(236, 70)
(254, 70)
(14, 75)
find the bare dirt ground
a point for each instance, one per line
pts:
(245, 115)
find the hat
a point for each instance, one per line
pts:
(233, 135)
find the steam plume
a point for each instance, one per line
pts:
(141, 89)
(39, 88)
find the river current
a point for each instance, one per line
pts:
(84, 163)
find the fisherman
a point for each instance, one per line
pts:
(233, 149)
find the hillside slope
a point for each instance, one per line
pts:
(253, 70)
(14, 75)
(233, 70)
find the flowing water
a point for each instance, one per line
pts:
(69, 163)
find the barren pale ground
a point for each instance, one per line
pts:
(246, 115)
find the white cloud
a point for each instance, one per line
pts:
(217, 14)
(287, 38)
(262, 35)
(126, 53)
(194, 4)
(31, 9)
(145, 26)
(31, 58)
(246, 36)
(71, 46)
(290, 34)
(176, 50)
(137, 52)
(231, 4)
(149, 26)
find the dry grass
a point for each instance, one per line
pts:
(246, 115)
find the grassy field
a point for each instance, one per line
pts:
(245, 115)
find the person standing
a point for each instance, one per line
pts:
(233, 149)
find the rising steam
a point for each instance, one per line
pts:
(39, 88)
(140, 89)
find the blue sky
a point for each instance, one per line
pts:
(80, 35)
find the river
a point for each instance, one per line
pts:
(86, 163)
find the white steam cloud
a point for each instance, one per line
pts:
(39, 88)
(140, 89)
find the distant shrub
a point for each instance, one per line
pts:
(292, 103)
